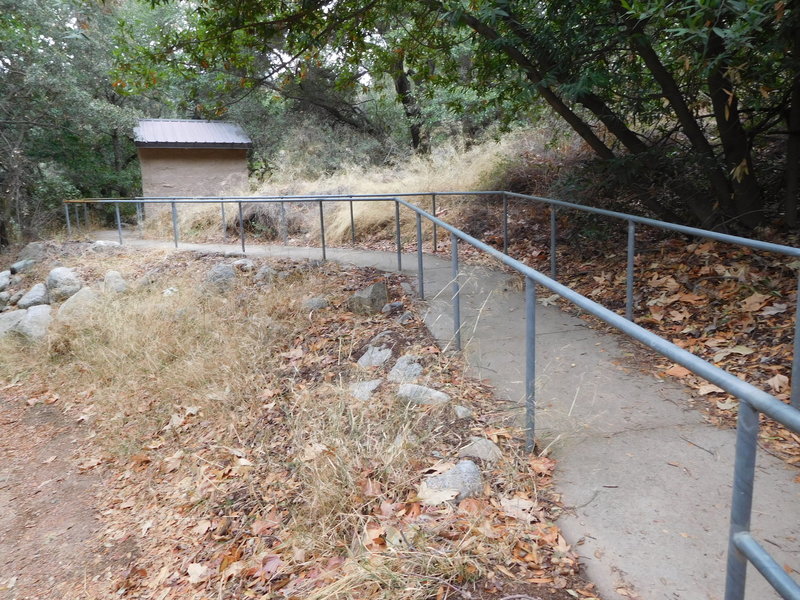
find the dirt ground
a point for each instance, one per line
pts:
(47, 514)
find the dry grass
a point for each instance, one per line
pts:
(491, 165)
(232, 444)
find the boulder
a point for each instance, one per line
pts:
(370, 300)
(316, 303)
(406, 369)
(244, 264)
(405, 318)
(464, 477)
(35, 251)
(15, 298)
(419, 394)
(35, 296)
(4, 298)
(78, 307)
(9, 321)
(462, 412)
(35, 322)
(62, 283)
(362, 390)
(265, 275)
(221, 277)
(374, 356)
(22, 265)
(482, 448)
(104, 246)
(5, 279)
(392, 307)
(115, 283)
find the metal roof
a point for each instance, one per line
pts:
(187, 133)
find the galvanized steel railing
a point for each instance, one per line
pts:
(742, 546)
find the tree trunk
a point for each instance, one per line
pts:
(793, 146)
(747, 197)
(403, 87)
(720, 184)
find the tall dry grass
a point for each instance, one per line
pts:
(494, 164)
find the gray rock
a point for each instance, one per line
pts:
(62, 283)
(392, 307)
(221, 277)
(35, 251)
(362, 390)
(4, 298)
(9, 321)
(374, 356)
(370, 300)
(104, 246)
(244, 264)
(22, 265)
(482, 448)
(464, 477)
(315, 303)
(405, 318)
(35, 322)
(5, 279)
(78, 307)
(462, 412)
(170, 291)
(35, 296)
(419, 394)
(114, 282)
(147, 279)
(15, 298)
(266, 275)
(16, 279)
(406, 369)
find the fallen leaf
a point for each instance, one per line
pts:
(520, 509)
(542, 465)
(774, 309)
(709, 388)
(678, 371)
(89, 463)
(743, 350)
(727, 404)
(778, 383)
(549, 300)
(312, 451)
(197, 573)
(754, 302)
(433, 496)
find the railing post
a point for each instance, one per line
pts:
(119, 222)
(322, 229)
(420, 273)
(224, 222)
(77, 215)
(69, 225)
(796, 356)
(505, 223)
(282, 225)
(433, 212)
(456, 290)
(241, 226)
(352, 225)
(397, 235)
(742, 502)
(86, 214)
(629, 274)
(553, 236)
(530, 364)
(174, 222)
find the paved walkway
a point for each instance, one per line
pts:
(647, 483)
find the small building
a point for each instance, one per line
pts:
(181, 157)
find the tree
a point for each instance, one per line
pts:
(710, 79)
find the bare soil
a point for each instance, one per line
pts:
(47, 509)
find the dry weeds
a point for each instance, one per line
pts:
(238, 465)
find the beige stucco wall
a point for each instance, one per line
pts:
(193, 171)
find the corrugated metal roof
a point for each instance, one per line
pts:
(185, 133)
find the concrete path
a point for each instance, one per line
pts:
(646, 483)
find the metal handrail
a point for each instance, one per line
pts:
(742, 547)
